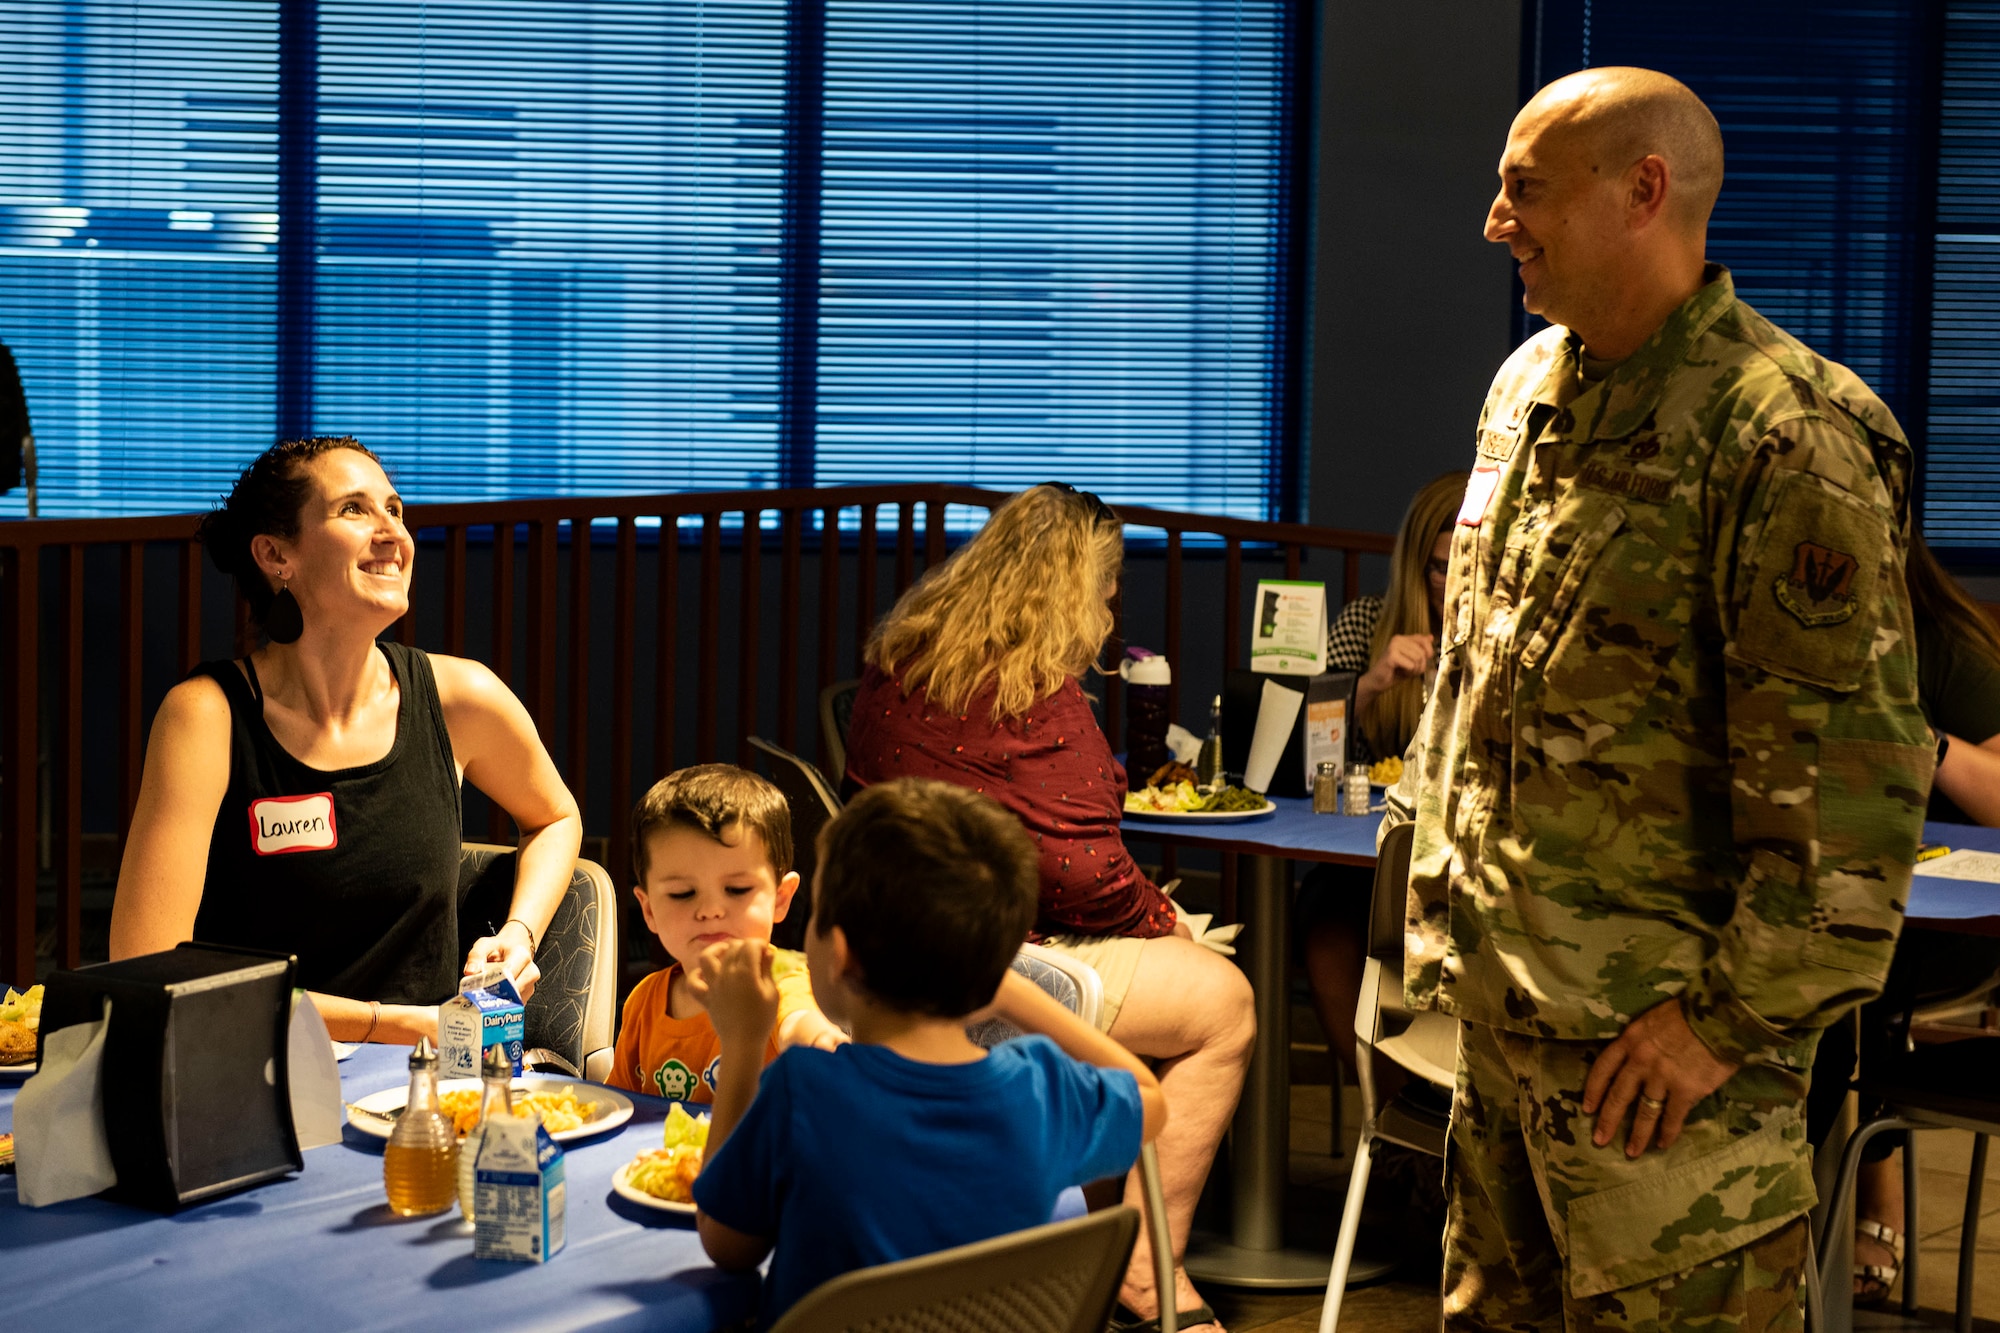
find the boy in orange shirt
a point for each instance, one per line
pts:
(712, 854)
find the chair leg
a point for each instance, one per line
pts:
(1350, 1223)
(1815, 1302)
(1839, 1287)
(1968, 1240)
(1909, 1228)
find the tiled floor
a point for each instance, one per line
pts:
(1407, 1302)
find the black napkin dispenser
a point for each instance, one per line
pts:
(197, 1089)
(1243, 696)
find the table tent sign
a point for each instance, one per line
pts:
(223, 1074)
(1292, 710)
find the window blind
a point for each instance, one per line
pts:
(530, 249)
(1053, 245)
(1962, 459)
(549, 242)
(1815, 103)
(137, 228)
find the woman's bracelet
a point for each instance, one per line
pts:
(374, 1017)
(533, 944)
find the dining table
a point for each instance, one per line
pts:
(321, 1249)
(1255, 1252)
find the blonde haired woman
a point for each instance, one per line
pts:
(974, 678)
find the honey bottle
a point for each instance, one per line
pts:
(420, 1165)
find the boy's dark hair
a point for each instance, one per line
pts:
(936, 888)
(265, 501)
(709, 798)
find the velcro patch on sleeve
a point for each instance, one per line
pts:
(1810, 601)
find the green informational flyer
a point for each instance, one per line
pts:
(1289, 636)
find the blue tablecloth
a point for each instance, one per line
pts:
(322, 1251)
(1298, 834)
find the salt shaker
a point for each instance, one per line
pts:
(1326, 789)
(1357, 795)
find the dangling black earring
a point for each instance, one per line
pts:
(284, 622)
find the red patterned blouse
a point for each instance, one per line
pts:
(1053, 768)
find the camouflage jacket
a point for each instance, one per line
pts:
(1674, 747)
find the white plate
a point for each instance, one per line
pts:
(17, 1071)
(344, 1050)
(1202, 816)
(622, 1186)
(614, 1108)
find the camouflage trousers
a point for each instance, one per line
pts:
(1546, 1231)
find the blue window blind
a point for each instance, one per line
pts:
(1815, 105)
(1962, 473)
(138, 224)
(1053, 244)
(527, 249)
(548, 242)
(1860, 208)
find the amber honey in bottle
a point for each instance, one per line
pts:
(420, 1164)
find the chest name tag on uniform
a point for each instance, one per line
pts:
(1478, 495)
(280, 824)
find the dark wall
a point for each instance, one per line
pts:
(1411, 308)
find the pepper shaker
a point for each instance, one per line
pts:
(1326, 789)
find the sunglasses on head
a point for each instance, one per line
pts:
(1104, 512)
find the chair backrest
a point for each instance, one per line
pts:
(1059, 1278)
(813, 805)
(1390, 910)
(1070, 982)
(836, 712)
(574, 1009)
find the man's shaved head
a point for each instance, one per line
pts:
(1620, 114)
(1606, 185)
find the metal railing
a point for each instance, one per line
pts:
(828, 546)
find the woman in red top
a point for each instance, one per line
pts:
(973, 679)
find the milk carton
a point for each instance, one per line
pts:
(485, 1012)
(519, 1198)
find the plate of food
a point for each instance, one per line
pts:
(568, 1110)
(1171, 796)
(20, 1026)
(663, 1178)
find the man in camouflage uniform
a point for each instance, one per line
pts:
(1670, 785)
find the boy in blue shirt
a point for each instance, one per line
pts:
(912, 1139)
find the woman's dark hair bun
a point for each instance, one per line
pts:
(265, 501)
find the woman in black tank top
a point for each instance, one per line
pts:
(305, 799)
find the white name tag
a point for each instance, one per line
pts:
(280, 824)
(1478, 495)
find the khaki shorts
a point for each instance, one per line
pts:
(1115, 959)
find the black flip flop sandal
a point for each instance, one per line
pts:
(1123, 1320)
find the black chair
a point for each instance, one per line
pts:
(1955, 1085)
(836, 714)
(573, 1013)
(813, 804)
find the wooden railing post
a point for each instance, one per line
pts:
(624, 617)
(66, 763)
(666, 645)
(709, 678)
(750, 572)
(18, 778)
(788, 631)
(579, 657)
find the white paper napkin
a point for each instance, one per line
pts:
(317, 1113)
(1277, 714)
(60, 1150)
(1222, 939)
